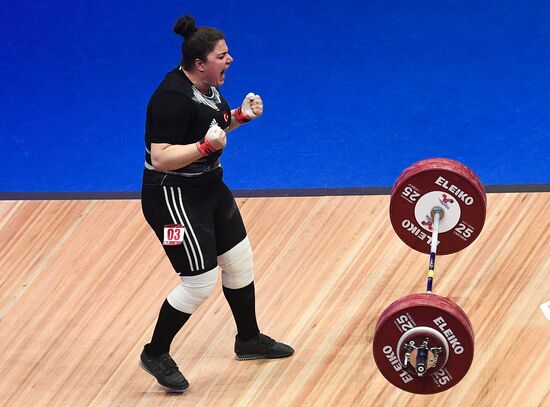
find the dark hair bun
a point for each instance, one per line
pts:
(185, 26)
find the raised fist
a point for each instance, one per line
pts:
(252, 106)
(216, 137)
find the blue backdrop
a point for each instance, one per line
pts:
(354, 91)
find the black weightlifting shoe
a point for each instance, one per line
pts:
(261, 347)
(165, 371)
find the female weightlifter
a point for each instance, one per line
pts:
(189, 207)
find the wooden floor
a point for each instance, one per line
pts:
(82, 283)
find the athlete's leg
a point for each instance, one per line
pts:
(184, 226)
(235, 260)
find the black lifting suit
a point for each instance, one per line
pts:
(194, 196)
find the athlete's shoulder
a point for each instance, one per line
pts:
(176, 81)
(174, 85)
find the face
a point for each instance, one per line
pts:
(217, 62)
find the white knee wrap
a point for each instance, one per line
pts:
(193, 291)
(237, 266)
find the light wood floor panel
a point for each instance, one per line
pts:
(82, 282)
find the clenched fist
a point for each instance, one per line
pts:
(252, 107)
(214, 140)
(216, 137)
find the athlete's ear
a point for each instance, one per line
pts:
(199, 64)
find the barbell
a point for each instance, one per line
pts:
(424, 343)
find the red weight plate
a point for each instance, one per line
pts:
(457, 166)
(424, 182)
(436, 313)
(435, 163)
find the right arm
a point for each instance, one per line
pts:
(170, 117)
(166, 156)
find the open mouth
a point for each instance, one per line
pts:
(222, 73)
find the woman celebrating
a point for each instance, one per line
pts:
(189, 207)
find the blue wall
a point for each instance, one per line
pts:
(354, 91)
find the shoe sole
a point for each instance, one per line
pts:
(171, 389)
(254, 357)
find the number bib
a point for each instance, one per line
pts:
(173, 235)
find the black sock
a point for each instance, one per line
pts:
(169, 323)
(243, 306)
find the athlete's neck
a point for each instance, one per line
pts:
(197, 82)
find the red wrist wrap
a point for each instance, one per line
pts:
(204, 147)
(240, 116)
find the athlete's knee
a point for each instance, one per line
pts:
(237, 265)
(193, 291)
